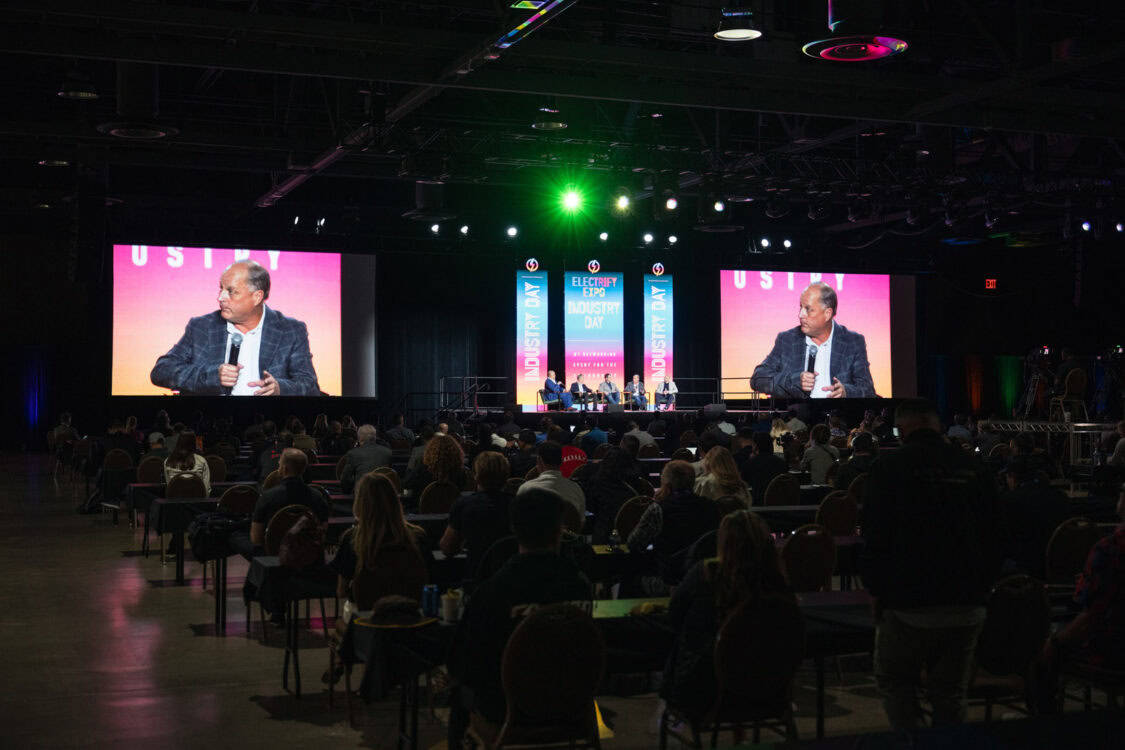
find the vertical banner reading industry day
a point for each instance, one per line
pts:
(531, 336)
(595, 326)
(658, 328)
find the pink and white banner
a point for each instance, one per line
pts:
(658, 329)
(531, 337)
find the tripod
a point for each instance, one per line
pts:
(1032, 390)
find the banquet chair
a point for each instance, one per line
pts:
(629, 515)
(571, 518)
(392, 476)
(340, 466)
(272, 480)
(782, 490)
(512, 484)
(180, 486)
(855, 489)
(117, 472)
(757, 652)
(438, 497)
(838, 513)
(239, 500)
(151, 470)
(809, 557)
(218, 468)
(1067, 550)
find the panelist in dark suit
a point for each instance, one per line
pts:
(839, 356)
(274, 357)
(555, 390)
(580, 393)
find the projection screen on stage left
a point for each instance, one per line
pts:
(166, 304)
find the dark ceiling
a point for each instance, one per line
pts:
(1007, 114)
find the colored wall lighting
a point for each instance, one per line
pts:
(572, 200)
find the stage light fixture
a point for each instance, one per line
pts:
(787, 244)
(603, 236)
(1120, 227)
(1085, 226)
(621, 203)
(54, 162)
(513, 231)
(320, 223)
(764, 242)
(671, 203)
(77, 88)
(719, 207)
(296, 220)
(648, 238)
(464, 230)
(673, 239)
(737, 24)
(572, 200)
(434, 228)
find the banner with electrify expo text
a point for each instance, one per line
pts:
(658, 329)
(531, 337)
(594, 326)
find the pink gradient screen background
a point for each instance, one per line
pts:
(758, 305)
(157, 289)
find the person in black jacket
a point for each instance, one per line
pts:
(1032, 510)
(864, 452)
(933, 548)
(761, 466)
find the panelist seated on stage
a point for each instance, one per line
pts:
(635, 390)
(838, 357)
(609, 390)
(555, 390)
(665, 394)
(579, 392)
(273, 359)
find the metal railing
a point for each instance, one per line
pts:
(474, 392)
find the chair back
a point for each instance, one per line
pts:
(280, 524)
(838, 513)
(683, 454)
(550, 670)
(272, 480)
(397, 570)
(340, 466)
(150, 470)
(783, 490)
(1000, 450)
(117, 460)
(602, 450)
(512, 485)
(185, 485)
(532, 473)
(1016, 626)
(227, 451)
(571, 518)
(1075, 384)
(391, 475)
(239, 500)
(218, 468)
(855, 489)
(758, 649)
(400, 445)
(584, 472)
(629, 515)
(438, 497)
(502, 550)
(1068, 549)
(809, 557)
(650, 450)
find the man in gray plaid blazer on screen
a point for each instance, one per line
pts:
(838, 357)
(273, 356)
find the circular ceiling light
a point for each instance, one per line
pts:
(737, 25)
(854, 48)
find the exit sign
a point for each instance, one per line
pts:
(990, 283)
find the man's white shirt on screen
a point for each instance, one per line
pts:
(247, 356)
(822, 368)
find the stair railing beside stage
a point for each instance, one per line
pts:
(475, 392)
(698, 391)
(738, 389)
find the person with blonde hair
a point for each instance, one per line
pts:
(721, 477)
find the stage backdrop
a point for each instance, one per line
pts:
(156, 289)
(594, 327)
(531, 337)
(757, 305)
(658, 329)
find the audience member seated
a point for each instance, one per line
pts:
(778, 428)
(721, 478)
(608, 489)
(747, 567)
(986, 438)
(301, 440)
(1096, 636)
(1032, 510)
(960, 428)
(762, 466)
(156, 446)
(820, 455)
(595, 436)
(364, 458)
(933, 544)
(836, 426)
(478, 520)
(379, 534)
(863, 455)
(508, 429)
(671, 523)
(267, 451)
(522, 457)
(643, 437)
(398, 430)
(425, 433)
(442, 461)
(336, 443)
(117, 438)
(551, 478)
(291, 491)
(1117, 458)
(538, 575)
(184, 460)
(320, 429)
(64, 432)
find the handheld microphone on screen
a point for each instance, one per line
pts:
(812, 359)
(235, 348)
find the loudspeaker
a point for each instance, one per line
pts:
(614, 408)
(711, 411)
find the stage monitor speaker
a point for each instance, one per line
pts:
(614, 408)
(711, 411)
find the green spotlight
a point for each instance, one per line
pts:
(572, 200)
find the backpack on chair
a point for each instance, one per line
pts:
(303, 544)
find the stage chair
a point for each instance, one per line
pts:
(1072, 399)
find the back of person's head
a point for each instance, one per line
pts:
(1023, 469)
(820, 434)
(630, 444)
(321, 422)
(615, 466)
(864, 443)
(293, 462)
(834, 420)
(156, 440)
(116, 425)
(748, 564)
(64, 418)
(657, 428)
(398, 420)
(719, 463)
(183, 455)
(550, 454)
(297, 427)
(366, 434)
(631, 425)
(378, 517)
(536, 518)
(557, 435)
(269, 428)
(916, 414)
(509, 416)
(491, 470)
(443, 457)
(678, 476)
(335, 427)
(763, 443)
(426, 432)
(708, 440)
(526, 438)
(742, 438)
